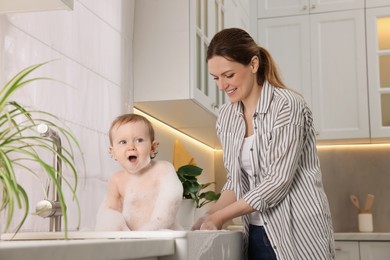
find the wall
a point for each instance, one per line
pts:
(203, 155)
(92, 49)
(91, 46)
(358, 170)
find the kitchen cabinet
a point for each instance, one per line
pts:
(237, 14)
(374, 250)
(378, 60)
(377, 3)
(171, 80)
(363, 250)
(362, 246)
(347, 250)
(323, 57)
(272, 8)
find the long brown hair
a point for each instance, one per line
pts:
(237, 45)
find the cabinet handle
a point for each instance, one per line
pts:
(304, 8)
(313, 6)
(214, 106)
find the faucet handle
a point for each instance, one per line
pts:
(47, 208)
(42, 128)
(45, 131)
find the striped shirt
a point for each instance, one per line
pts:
(289, 193)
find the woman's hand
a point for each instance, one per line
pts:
(199, 222)
(212, 222)
(208, 226)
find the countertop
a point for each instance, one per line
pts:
(360, 236)
(91, 249)
(344, 236)
(171, 245)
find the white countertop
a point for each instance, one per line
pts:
(90, 249)
(344, 236)
(93, 235)
(360, 236)
(172, 245)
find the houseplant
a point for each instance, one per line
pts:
(21, 149)
(194, 190)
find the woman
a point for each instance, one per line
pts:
(273, 171)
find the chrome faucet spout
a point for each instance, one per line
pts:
(51, 207)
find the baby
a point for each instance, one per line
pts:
(145, 194)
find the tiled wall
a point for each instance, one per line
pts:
(91, 46)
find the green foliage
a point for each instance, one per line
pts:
(192, 189)
(21, 146)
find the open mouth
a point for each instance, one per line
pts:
(132, 158)
(231, 91)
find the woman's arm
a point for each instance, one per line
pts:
(226, 208)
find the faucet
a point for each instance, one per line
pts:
(50, 207)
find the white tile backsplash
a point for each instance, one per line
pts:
(91, 46)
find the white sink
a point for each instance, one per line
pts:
(188, 245)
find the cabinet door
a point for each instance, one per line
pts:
(274, 8)
(210, 17)
(347, 250)
(378, 58)
(161, 43)
(206, 18)
(339, 87)
(377, 3)
(320, 6)
(288, 40)
(322, 56)
(374, 250)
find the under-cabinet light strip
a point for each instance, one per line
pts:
(368, 146)
(191, 139)
(174, 130)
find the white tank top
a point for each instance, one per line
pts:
(246, 166)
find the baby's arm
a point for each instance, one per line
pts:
(168, 201)
(109, 216)
(113, 197)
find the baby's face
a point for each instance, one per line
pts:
(131, 146)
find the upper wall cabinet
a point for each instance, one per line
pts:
(8, 6)
(171, 79)
(377, 3)
(322, 56)
(378, 59)
(272, 8)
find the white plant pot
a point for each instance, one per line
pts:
(186, 213)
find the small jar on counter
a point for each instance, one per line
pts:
(365, 221)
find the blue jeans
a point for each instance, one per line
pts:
(259, 247)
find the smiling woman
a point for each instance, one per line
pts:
(274, 178)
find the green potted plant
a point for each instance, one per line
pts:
(194, 190)
(21, 149)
